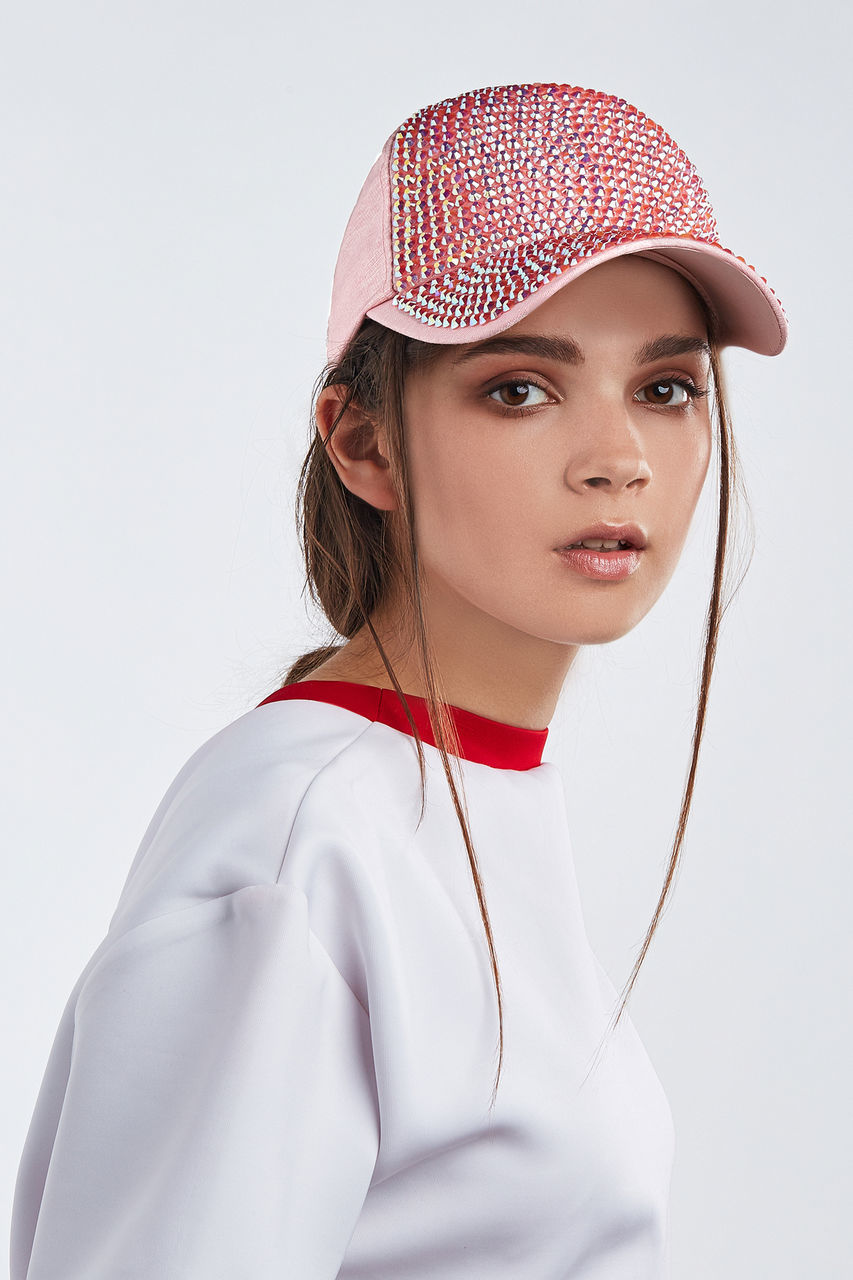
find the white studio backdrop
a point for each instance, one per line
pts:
(175, 181)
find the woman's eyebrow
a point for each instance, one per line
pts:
(567, 351)
(671, 344)
(563, 349)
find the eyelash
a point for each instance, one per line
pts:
(693, 391)
(519, 411)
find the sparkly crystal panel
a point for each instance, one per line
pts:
(499, 190)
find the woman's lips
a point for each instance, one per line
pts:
(609, 566)
(604, 532)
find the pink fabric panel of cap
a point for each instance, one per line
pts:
(483, 205)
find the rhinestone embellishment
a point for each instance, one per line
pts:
(497, 191)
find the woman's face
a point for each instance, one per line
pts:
(520, 443)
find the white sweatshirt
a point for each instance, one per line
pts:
(278, 1063)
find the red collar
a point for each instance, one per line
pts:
(482, 741)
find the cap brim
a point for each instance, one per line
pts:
(747, 310)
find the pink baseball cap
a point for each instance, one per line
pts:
(480, 207)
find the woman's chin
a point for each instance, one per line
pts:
(596, 630)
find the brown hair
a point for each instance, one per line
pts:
(351, 563)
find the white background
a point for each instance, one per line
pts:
(176, 177)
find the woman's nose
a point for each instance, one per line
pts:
(607, 452)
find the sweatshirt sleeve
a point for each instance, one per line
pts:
(209, 1111)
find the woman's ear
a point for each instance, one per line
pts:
(357, 448)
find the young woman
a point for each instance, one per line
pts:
(345, 1021)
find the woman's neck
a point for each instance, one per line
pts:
(484, 665)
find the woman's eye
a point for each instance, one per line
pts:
(665, 391)
(518, 395)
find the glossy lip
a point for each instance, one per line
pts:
(626, 532)
(604, 566)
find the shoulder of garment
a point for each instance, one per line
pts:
(228, 818)
(209, 1105)
(208, 1108)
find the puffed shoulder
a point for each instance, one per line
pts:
(227, 818)
(209, 1107)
